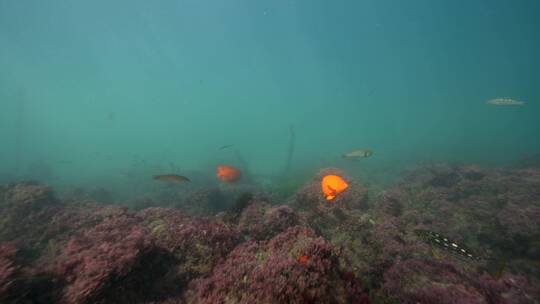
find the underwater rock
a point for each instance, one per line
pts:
(116, 261)
(426, 281)
(444, 180)
(473, 173)
(420, 281)
(83, 252)
(28, 196)
(70, 221)
(260, 221)
(271, 272)
(390, 202)
(497, 214)
(251, 219)
(278, 219)
(22, 284)
(196, 243)
(8, 273)
(25, 212)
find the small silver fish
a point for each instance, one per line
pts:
(360, 153)
(505, 102)
(225, 147)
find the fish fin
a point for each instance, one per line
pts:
(334, 192)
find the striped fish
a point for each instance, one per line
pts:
(494, 266)
(446, 244)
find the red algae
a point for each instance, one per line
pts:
(267, 273)
(109, 262)
(307, 251)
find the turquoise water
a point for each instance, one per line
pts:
(102, 92)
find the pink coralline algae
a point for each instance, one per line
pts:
(70, 220)
(20, 284)
(308, 251)
(497, 210)
(426, 281)
(261, 221)
(113, 262)
(25, 211)
(279, 218)
(197, 243)
(422, 281)
(8, 271)
(269, 272)
(29, 195)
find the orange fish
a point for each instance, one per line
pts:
(332, 186)
(303, 259)
(228, 174)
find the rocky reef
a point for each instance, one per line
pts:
(295, 266)
(225, 246)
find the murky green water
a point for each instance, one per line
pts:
(108, 93)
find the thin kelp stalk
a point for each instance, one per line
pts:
(246, 172)
(19, 132)
(290, 151)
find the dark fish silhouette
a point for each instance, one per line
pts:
(173, 178)
(225, 147)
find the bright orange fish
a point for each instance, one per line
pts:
(332, 186)
(303, 259)
(228, 174)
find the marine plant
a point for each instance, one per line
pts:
(261, 221)
(8, 272)
(198, 244)
(270, 272)
(115, 261)
(420, 280)
(25, 212)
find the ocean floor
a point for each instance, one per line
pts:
(441, 234)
